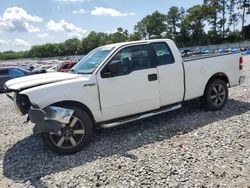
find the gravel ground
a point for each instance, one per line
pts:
(189, 147)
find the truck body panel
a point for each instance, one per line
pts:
(144, 89)
(198, 72)
(171, 79)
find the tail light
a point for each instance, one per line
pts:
(241, 63)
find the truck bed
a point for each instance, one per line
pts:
(199, 69)
(204, 56)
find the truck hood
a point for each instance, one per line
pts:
(39, 79)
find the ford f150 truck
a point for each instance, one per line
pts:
(120, 83)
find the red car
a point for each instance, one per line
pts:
(66, 66)
(7, 65)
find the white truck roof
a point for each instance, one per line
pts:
(117, 45)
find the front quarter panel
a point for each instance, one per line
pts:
(82, 89)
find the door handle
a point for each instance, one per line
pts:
(152, 77)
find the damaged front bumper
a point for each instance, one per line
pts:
(51, 119)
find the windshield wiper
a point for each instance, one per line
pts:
(77, 72)
(84, 73)
(74, 71)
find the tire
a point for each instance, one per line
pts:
(215, 96)
(73, 136)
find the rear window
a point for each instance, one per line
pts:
(163, 53)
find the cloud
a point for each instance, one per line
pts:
(111, 32)
(20, 42)
(67, 27)
(80, 11)
(55, 27)
(101, 11)
(3, 42)
(74, 35)
(72, 1)
(43, 35)
(17, 19)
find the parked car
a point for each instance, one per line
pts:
(234, 50)
(196, 51)
(121, 83)
(7, 73)
(204, 51)
(246, 52)
(243, 49)
(66, 66)
(200, 51)
(76, 58)
(186, 53)
(221, 50)
(52, 69)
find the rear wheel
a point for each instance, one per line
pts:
(215, 95)
(73, 136)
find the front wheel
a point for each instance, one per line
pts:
(216, 95)
(73, 136)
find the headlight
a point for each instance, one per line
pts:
(17, 109)
(23, 103)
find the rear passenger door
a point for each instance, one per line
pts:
(170, 72)
(134, 89)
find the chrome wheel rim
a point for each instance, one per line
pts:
(70, 135)
(218, 95)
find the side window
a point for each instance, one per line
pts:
(4, 72)
(133, 58)
(15, 73)
(163, 53)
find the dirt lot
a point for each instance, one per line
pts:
(186, 148)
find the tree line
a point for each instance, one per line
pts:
(213, 22)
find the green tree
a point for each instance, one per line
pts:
(183, 38)
(117, 37)
(194, 22)
(243, 5)
(73, 46)
(246, 32)
(134, 36)
(173, 20)
(233, 16)
(152, 26)
(224, 8)
(94, 40)
(213, 8)
(13, 55)
(120, 29)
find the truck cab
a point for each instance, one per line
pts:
(120, 83)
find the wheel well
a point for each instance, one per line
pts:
(219, 75)
(77, 105)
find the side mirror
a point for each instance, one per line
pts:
(114, 68)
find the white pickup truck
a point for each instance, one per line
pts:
(120, 83)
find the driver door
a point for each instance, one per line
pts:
(132, 90)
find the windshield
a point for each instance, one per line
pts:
(92, 60)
